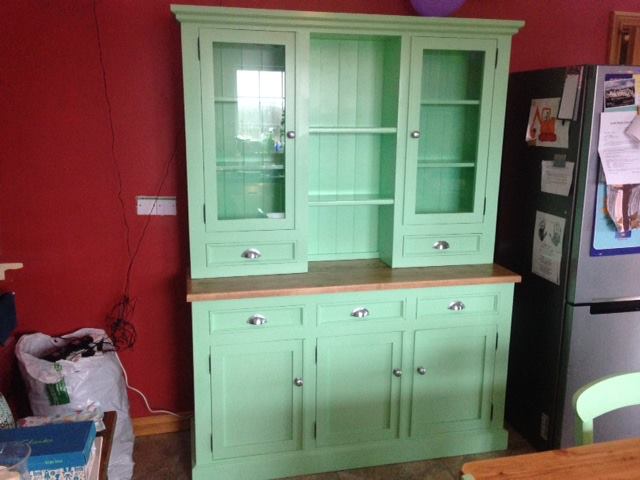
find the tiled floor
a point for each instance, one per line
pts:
(168, 457)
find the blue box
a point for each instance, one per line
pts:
(55, 446)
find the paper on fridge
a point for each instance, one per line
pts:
(556, 180)
(547, 246)
(543, 128)
(619, 152)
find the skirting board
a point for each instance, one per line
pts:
(157, 424)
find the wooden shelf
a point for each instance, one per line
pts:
(254, 99)
(249, 167)
(430, 164)
(449, 102)
(346, 276)
(348, 199)
(9, 266)
(353, 130)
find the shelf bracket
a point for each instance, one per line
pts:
(9, 266)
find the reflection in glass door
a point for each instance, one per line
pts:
(449, 118)
(249, 92)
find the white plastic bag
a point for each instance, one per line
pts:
(88, 381)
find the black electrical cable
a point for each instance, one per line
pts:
(121, 330)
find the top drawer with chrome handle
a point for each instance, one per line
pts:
(242, 254)
(459, 304)
(365, 311)
(255, 319)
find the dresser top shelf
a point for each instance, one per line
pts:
(346, 276)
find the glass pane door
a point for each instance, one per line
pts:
(246, 120)
(449, 123)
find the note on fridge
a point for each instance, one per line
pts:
(556, 179)
(547, 246)
(619, 152)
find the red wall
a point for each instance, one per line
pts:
(60, 178)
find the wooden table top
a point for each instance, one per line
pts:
(346, 276)
(618, 459)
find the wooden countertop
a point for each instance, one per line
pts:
(616, 459)
(346, 276)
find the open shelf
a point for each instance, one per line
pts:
(353, 130)
(432, 164)
(348, 199)
(249, 168)
(435, 101)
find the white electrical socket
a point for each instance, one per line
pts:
(156, 205)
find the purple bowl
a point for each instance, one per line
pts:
(436, 8)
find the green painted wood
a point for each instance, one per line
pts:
(352, 146)
(338, 117)
(242, 374)
(353, 118)
(342, 24)
(350, 369)
(602, 396)
(361, 416)
(451, 186)
(258, 70)
(238, 182)
(449, 70)
(328, 459)
(343, 232)
(452, 394)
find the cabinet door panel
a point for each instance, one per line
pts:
(256, 405)
(247, 83)
(358, 394)
(450, 99)
(453, 392)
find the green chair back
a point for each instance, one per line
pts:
(602, 396)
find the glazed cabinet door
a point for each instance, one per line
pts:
(256, 398)
(358, 388)
(248, 84)
(452, 379)
(449, 120)
(248, 186)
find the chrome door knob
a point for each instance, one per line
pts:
(415, 134)
(298, 382)
(257, 320)
(397, 372)
(251, 253)
(291, 134)
(360, 312)
(456, 306)
(421, 370)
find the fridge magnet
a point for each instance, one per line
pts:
(619, 90)
(543, 128)
(547, 246)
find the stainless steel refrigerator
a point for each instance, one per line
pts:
(585, 323)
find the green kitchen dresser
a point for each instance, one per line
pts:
(351, 364)
(342, 181)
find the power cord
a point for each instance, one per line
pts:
(121, 330)
(144, 398)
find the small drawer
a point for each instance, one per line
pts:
(255, 319)
(362, 312)
(479, 305)
(436, 245)
(247, 254)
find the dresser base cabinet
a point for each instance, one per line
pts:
(332, 459)
(297, 384)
